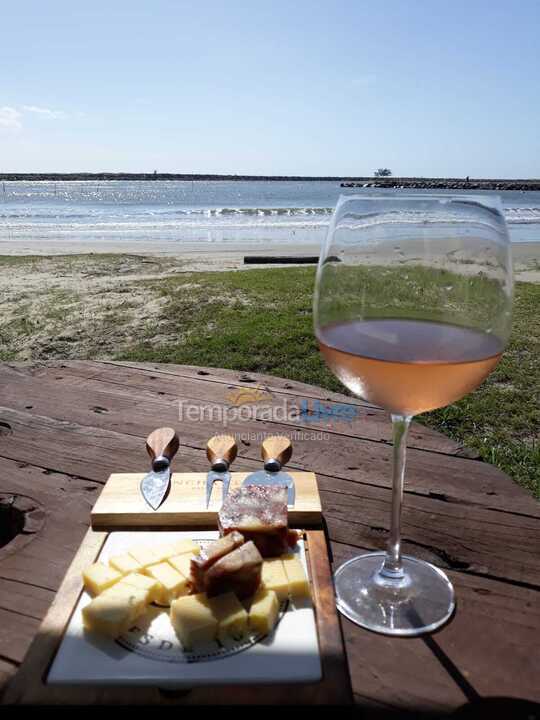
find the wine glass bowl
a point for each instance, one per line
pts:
(412, 310)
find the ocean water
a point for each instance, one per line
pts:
(264, 213)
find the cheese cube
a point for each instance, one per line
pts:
(143, 582)
(182, 563)
(274, 578)
(124, 564)
(98, 577)
(137, 597)
(263, 613)
(163, 552)
(193, 620)
(298, 581)
(145, 556)
(171, 582)
(230, 614)
(186, 545)
(108, 615)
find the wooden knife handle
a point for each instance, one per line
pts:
(162, 442)
(276, 447)
(221, 447)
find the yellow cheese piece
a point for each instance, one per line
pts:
(274, 578)
(263, 613)
(143, 582)
(171, 582)
(231, 616)
(163, 552)
(109, 615)
(98, 577)
(186, 545)
(298, 581)
(182, 563)
(145, 556)
(193, 620)
(138, 598)
(125, 564)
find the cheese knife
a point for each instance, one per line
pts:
(162, 445)
(275, 451)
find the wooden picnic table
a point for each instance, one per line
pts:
(65, 427)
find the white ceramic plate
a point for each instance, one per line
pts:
(150, 653)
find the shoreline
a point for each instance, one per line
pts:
(194, 257)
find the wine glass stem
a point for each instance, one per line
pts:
(392, 567)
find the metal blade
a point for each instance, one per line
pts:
(154, 487)
(211, 478)
(283, 479)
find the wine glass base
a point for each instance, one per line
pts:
(421, 601)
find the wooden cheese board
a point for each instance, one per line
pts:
(120, 510)
(122, 505)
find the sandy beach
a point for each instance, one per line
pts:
(221, 256)
(55, 296)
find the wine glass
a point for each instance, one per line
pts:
(412, 310)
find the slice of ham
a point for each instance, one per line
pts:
(239, 572)
(259, 513)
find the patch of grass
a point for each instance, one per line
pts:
(18, 261)
(57, 305)
(501, 419)
(261, 321)
(19, 327)
(256, 320)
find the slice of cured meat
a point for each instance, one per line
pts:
(210, 555)
(259, 513)
(239, 572)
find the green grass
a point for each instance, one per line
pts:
(501, 419)
(261, 321)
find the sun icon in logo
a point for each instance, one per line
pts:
(246, 396)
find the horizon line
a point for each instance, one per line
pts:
(154, 175)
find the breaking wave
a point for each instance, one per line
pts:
(133, 215)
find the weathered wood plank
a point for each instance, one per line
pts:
(24, 599)
(487, 649)
(471, 539)
(369, 422)
(67, 502)
(66, 447)
(236, 377)
(135, 390)
(44, 644)
(16, 635)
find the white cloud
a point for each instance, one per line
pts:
(10, 118)
(45, 112)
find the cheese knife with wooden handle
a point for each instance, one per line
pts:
(162, 445)
(276, 451)
(221, 450)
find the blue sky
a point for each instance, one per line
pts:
(310, 88)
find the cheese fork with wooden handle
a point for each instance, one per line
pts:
(221, 450)
(162, 445)
(276, 451)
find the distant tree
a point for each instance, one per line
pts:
(383, 172)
